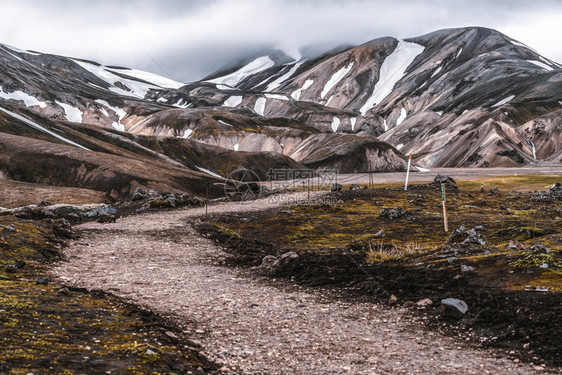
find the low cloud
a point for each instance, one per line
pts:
(191, 39)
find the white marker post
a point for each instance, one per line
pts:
(408, 172)
(444, 200)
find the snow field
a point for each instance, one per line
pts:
(256, 66)
(392, 70)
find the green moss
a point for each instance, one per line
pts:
(226, 231)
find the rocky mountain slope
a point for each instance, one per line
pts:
(469, 97)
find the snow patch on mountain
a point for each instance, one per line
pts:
(149, 77)
(436, 71)
(258, 65)
(297, 93)
(236, 146)
(402, 116)
(27, 99)
(137, 89)
(204, 170)
(335, 124)
(224, 87)
(275, 84)
(385, 125)
(392, 70)
(458, 53)
(120, 112)
(15, 49)
(259, 107)
(41, 128)
(71, 113)
(276, 96)
(182, 104)
(541, 65)
(233, 101)
(504, 101)
(335, 79)
(225, 123)
(353, 120)
(187, 133)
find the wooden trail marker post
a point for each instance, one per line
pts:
(207, 201)
(408, 172)
(444, 201)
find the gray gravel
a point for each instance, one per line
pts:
(252, 327)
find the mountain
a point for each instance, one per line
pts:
(469, 97)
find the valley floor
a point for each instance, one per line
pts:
(251, 325)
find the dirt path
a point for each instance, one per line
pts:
(158, 261)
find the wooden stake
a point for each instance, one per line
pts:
(207, 202)
(408, 172)
(444, 201)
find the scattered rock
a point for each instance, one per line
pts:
(465, 268)
(141, 194)
(171, 334)
(268, 263)
(336, 187)
(463, 236)
(290, 212)
(395, 213)
(43, 281)
(441, 179)
(11, 268)
(526, 346)
(494, 191)
(106, 218)
(44, 203)
(64, 291)
(556, 190)
(170, 201)
(453, 308)
(380, 234)
(392, 300)
(10, 228)
(150, 351)
(515, 245)
(424, 302)
(540, 249)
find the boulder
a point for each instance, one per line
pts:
(441, 179)
(268, 263)
(453, 308)
(354, 187)
(271, 265)
(336, 187)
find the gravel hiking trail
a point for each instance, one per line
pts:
(249, 326)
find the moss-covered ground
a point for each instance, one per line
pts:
(48, 329)
(340, 246)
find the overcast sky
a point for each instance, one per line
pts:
(191, 38)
